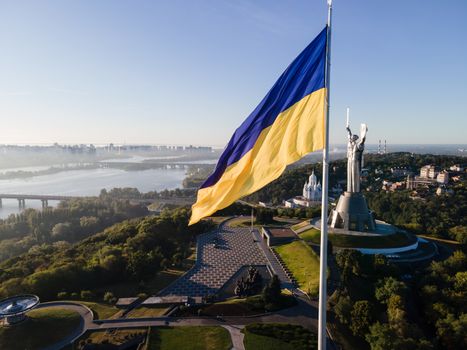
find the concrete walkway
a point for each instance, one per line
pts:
(304, 314)
(237, 337)
(273, 262)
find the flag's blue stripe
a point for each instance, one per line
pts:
(304, 76)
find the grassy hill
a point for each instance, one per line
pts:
(44, 327)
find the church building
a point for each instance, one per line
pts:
(312, 188)
(311, 194)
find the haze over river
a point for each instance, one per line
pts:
(88, 182)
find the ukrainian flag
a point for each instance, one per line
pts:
(288, 124)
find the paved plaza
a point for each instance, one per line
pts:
(220, 255)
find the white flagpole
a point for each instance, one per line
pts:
(324, 203)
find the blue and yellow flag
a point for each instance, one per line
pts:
(286, 125)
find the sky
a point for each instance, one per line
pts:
(189, 72)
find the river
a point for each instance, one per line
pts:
(88, 182)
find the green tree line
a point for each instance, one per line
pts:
(131, 251)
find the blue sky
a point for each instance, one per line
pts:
(189, 72)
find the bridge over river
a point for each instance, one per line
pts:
(45, 198)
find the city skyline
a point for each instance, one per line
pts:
(163, 73)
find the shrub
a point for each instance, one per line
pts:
(86, 295)
(109, 297)
(62, 295)
(142, 296)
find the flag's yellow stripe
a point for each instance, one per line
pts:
(296, 132)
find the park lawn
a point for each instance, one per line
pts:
(189, 338)
(261, 342)
(303, 263)
(101, 311)
(249, 306)
(147, 311)
(217, 219)
(246, 222)
(311, 235)
(300, 225)
(44, 327)
(235, 307)
(399, 239)
(116, 337)
(242, 222)
(278, 336)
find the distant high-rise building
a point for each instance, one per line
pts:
(443, 177)
(428, 171)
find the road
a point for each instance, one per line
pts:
(305, 313)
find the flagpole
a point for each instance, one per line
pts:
(324, 203)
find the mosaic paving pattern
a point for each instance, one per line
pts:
(220, 255)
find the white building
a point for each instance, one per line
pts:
(312, 188)
(443, 177)
(428, 171)
(456, 167)
(311, 194)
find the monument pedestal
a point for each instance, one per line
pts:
(352, 213)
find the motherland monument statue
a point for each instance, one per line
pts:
(355, 149)
(351, 213)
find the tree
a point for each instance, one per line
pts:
(387, 287)
(343, 308)
(138, 266)
(272, 293)
(361, 317)
(89, 222)
(264, 216)
(348, 261)
(459, 233)
(452, 331)
(62, 231)
(460, 281)
(397, 315)
(381, 337)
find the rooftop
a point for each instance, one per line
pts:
(169, 299)
(279, 232)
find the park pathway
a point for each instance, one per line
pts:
(273, 262)
(237, 337)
